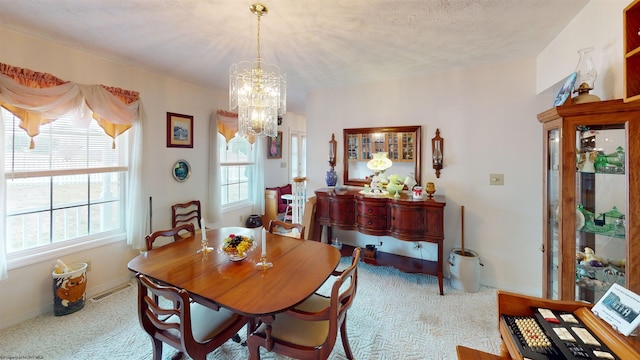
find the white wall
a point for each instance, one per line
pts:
(598, 25)
(487, 119)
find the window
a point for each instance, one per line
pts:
(68, 189)
(298, 154)
(237, 166)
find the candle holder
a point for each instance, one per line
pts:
(331, 177)
(431, 189)
(264, 264)
(437, 149)
(205, 249)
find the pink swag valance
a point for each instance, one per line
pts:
(228, 125)
(39, 98)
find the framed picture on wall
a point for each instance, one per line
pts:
(274, 146)
(179, 130)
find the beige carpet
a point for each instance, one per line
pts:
(395, 316)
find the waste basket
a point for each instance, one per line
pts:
(69, 289)
(253, 221)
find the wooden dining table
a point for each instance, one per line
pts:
(300, 267)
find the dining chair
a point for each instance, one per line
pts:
(178, 232)
(185, 213)
(189, 327)
(286, 229)
(310, 330)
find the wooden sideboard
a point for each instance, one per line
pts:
(403, 218)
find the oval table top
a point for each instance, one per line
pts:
(300, 267)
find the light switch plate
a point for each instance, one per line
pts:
(496, 179)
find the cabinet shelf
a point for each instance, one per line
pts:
(599, 279)
(402, 263)
(604, 232)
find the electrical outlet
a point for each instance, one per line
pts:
(417, 245)
(88, 262)
(241, 218)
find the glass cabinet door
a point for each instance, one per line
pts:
(601, 193)
(551, 245)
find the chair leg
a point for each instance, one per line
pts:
(251, 325)
(254, 349)
(345, 339)
(157, 349)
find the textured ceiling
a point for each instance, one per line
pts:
(317, 43)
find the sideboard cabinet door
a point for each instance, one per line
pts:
(407, 222)
(342, 212)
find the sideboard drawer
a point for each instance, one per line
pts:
(372, 222)
(368, 209)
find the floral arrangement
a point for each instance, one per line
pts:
(237, 244)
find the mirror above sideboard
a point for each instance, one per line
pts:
(402, 143)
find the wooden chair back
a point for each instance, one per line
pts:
(172, 322)
(271, 201)
(308, 217)
(189, 212)
(286, 229)
(296, 333)
(176, 233)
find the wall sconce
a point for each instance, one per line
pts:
(332, 178)
(333, 144)
(437, 149)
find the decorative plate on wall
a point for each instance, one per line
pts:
(181, 170)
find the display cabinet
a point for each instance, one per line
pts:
(591, 213)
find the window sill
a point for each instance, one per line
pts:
(237, 206)
(55, 251)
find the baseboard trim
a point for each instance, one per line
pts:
(48, 308)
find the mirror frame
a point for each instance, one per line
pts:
(416, 130)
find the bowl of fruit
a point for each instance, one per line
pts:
(236, 247)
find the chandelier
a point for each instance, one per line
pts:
(258, 91)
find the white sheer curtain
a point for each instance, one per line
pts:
(258, 185)
(214, 202)
(3, 208)
(137, 210)
(39, 105)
